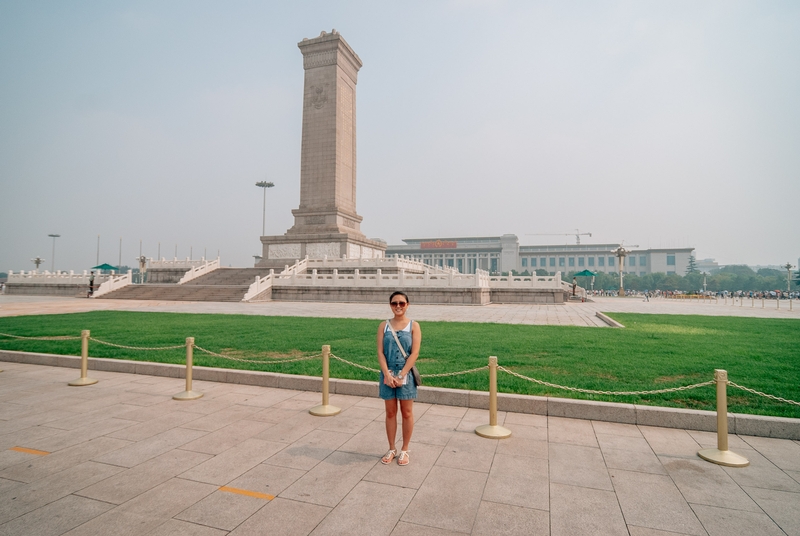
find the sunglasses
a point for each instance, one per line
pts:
(398, 304)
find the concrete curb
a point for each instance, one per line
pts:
(608, 320)
(753, 425)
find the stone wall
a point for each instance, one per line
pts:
(451, 296)
(165, 275)
(41, 289)
(528, 295)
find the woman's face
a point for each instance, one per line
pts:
(399, 304)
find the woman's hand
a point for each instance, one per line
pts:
(389, 380)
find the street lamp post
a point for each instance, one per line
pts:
(788, 267)
(264, 185)
(53, 257)
(37, 261)
(621, 252)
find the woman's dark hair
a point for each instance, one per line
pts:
(398, 293)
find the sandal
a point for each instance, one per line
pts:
(403, 460)
(389, 457)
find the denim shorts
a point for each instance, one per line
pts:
(404, 392)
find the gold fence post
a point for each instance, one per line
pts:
(188, 394)
(325, 410)
(721, 455)
(491, 430)
(84, 379)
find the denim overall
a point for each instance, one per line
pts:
(396, 362)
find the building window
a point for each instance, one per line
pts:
(591, 261)
(460, 265)
(601, 261)
(533, 262)
(611, 261)
(552, 261)
(642, 260)
(560, 261)
(494, 265)
(524, 262)
(671, 260)
(631, 261)
(572, 261)
(580, 261)
(642, 274)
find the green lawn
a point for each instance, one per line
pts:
(652, 352)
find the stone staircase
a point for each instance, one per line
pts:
(221, 285)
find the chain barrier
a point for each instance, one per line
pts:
(257, 361)
(441, 375)
(55, 338)
(343, 360)
(137, 347)
(759, 393)
(594, 392)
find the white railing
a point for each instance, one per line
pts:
(378, 279)
(56, 278)
(196, 271)
(260, 285)
(380, 262)
(529, 281)
(175, 263)
(114, 283)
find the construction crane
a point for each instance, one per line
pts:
(577, 234)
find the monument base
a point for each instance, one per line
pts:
(279, 251)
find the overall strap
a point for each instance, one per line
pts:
(397, 340)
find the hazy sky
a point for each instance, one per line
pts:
(663, 124)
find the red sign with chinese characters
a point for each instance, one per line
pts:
(438, 244)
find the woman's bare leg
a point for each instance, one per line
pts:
(391, 421)
(407, 410)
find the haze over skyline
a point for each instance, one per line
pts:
(661, 124)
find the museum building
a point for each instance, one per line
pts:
(497, 254)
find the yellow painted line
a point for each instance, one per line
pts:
(249, 493)
(30, 451)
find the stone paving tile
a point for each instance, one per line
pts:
(518, 481)
(410, 529)
(575, 511)
(7, 485)
(139, 452)
(477, 417)
(345, 424)
(761, 473)
(370, 509)
(174, 527)
(784, 454)
(724, 522)
(222, 510)
(44, 466)
(219, 419)
(155, 426)
(708, 440)
(269, 479)
(284, 517)
(55, 518)
(629, 460)
(227, 437)
(619, 442)
(146, 512)
(701, 482)
(127, 484)
(307, 452)
(643, 531)
(578, 466)
(782, 506)
(571, 431)
(422, 457)
(372, 440)
(234, 462)
(468, 451)
(23, 437)
(526, 419)
(268, 398)
(653, 501)
(291, 430)
(670, 442)
(62, 440)
(495, 519)
(448, 499)
(518, 446)
(331, 480)
(21, 500)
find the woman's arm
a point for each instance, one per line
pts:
(388, 379)
(416, 342)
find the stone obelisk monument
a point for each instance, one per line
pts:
(326, 222)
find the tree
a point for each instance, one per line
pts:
(691, 268)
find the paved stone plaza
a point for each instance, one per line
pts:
(122, 457)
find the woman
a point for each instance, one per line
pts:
(397, 382)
